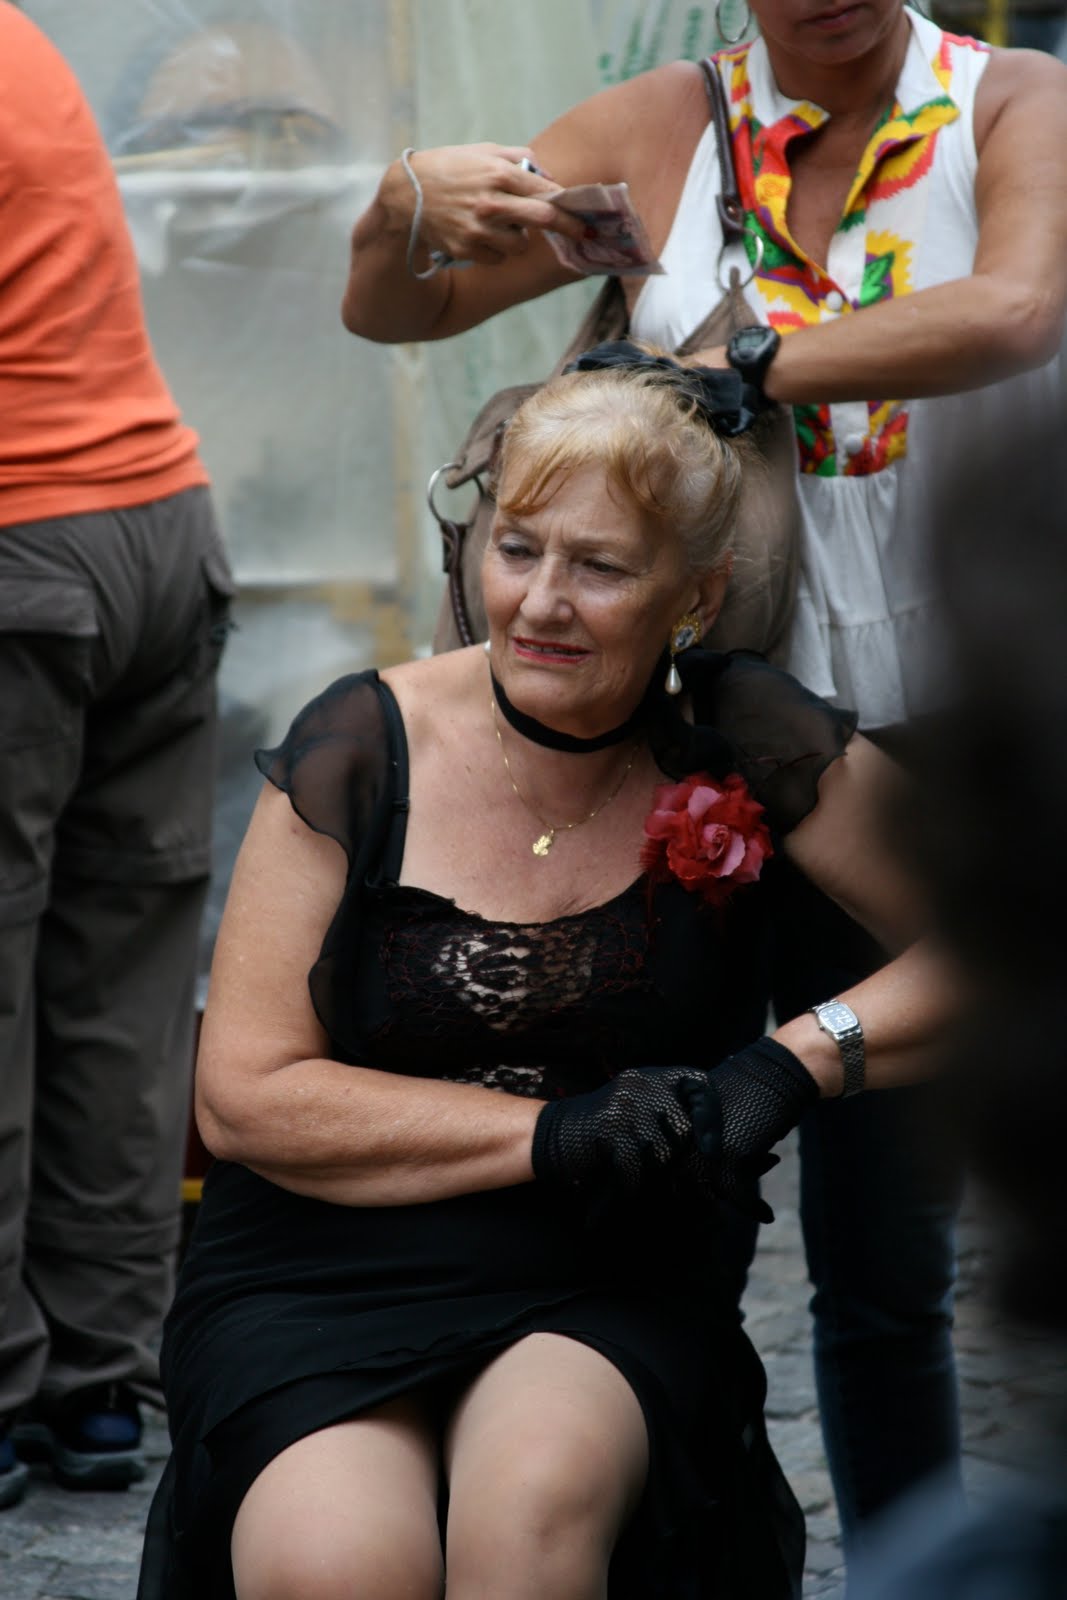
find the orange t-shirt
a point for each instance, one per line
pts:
(87, 422)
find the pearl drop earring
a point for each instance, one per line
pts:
(686, 632)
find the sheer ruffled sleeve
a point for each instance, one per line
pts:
(333, 763)
(338, 765)
(784, 736)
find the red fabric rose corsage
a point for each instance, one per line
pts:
(707, 832)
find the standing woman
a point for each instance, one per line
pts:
(906, 201)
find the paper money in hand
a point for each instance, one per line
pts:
(615, 239)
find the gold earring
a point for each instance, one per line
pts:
(686, 632)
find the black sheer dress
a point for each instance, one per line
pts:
(292, 1313)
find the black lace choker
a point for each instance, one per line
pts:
(551, 738)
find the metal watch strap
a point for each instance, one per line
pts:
(849, 1040)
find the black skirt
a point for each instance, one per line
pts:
(368, 1305)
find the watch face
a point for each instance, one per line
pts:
(838, 1017)
(751, 342)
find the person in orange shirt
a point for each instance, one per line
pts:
(114, 599)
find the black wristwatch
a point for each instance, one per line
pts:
(751, 351)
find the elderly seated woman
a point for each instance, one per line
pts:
(459, 1314)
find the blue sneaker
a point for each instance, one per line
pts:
(91, 1439)
(14, 1475)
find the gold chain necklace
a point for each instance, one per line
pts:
(543, 843)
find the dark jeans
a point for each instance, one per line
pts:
(878, 1203)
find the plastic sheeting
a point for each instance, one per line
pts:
(247, 136)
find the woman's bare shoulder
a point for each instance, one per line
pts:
(626, 125)
(664, 89)
(436, 693)
(433, 673)
(667, 88)
(1030, 82)
(642, 132)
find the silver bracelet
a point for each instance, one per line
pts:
(438, 258)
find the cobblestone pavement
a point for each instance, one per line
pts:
(62, 1546)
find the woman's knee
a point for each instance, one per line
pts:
(349, 1513)
(543, 1527)
(545, 1491)
(547, 1460)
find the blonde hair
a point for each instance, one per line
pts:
(643, 427)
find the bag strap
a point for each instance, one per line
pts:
(732, 311)
(731, 211)
(453, 543)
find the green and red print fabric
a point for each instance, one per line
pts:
(872, 253)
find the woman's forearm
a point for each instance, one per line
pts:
(382, 299)
(938, 341)
(904, 1010)
(355, 1136)
(943, 340)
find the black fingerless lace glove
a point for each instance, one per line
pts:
(749, 1102)
(630, 1130)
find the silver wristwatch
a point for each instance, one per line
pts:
(842, 1024)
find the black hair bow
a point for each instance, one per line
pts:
(728, 404)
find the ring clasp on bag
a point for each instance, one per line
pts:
(435, 477)
(742, 283)
(453, 541)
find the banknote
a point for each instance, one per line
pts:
(615, 239)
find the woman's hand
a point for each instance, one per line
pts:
(633, 1129)
(481, 208)
(478, 202)
(707, 1132)
(749, 1102)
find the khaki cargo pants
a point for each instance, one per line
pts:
(111, 630)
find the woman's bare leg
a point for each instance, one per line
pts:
(547, 1455)
(349, 1513)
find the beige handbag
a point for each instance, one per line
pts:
(759, 599)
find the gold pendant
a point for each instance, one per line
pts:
(543, 845)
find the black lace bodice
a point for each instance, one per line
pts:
(502, 1004)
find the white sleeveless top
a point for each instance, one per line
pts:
(866, 629)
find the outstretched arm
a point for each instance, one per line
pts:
(479, 205)
(1006, 316)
